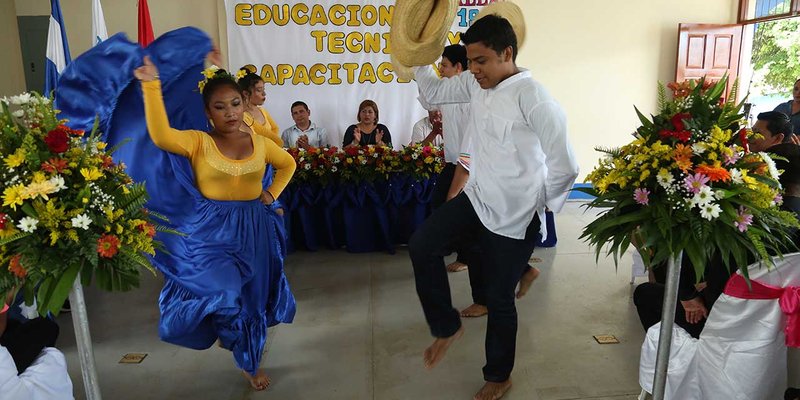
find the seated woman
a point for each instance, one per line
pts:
(367, 131)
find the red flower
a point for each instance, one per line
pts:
(108, 162)
(16, 268)
(149, 229)
(57, 141)
(2, 221)
(55, 165)
(678, 119)
(108, 245)
(743, 139)
(351, 151)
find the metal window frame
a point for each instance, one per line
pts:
(794, 10)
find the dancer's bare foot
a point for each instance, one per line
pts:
(435, 352)
(260, 381)
(526, 282)
(474, 311)
(493, 390)
(456, 267)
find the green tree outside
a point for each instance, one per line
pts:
(776, 56)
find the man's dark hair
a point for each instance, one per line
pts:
(456, 54)
(298, 103)
(495, 32)
(777, 123)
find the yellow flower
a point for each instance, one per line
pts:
(54, 236)
(119, 229)
(101, 145)
(40, 189)
(9, 231)
(38, 177)
(13, 196)
(72, 234)
(645, 174)
(16, 159)
(210, 71)
(241, 74)
(85, 200)
(91, 174)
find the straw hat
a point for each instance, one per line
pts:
(400, 70)
(509, 11)
(419, 30)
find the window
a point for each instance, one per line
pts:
(767, 10)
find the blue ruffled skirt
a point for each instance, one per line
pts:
(224, 279)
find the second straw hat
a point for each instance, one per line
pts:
(509, 11)
(419, 30)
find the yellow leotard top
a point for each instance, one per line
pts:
(217, 177)
(269, 129)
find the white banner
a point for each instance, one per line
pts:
(331, 55)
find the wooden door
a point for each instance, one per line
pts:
(709, 51)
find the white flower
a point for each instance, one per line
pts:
(307, 167)
(736, 176)
(334, 169)
(773, 170)
(28, 224)
(710, 211)
(20, 100)
(414, 156)
(336, 160)
(703, 197)
(665, 178)
(81, 221)
(363, 162)
(58, 182)
(699, 148)
(18, 113)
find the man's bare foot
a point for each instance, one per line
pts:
(474, 311)
(260, 381)
(435, 352)
(456, 267)
(493, 390)
(526, 282)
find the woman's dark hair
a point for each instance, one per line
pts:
(456, 54)
(495, 32)
(248, 82)
(778, 123)
(220, 80)
(364, 104)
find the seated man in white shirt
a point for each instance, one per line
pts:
(428, 130)
(304, 133)
(522, 163)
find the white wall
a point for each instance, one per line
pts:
(12, 75)
(598, 58)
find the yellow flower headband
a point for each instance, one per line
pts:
(215, 72)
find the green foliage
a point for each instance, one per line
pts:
(776, 55)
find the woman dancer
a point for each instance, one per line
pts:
(224, 282)
(255, 116)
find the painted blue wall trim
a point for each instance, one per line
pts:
(575, 195)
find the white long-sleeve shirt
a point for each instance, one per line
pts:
(454, 122)
(522, 161)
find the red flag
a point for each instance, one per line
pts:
(145, 26)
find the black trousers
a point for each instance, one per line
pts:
(649, 298)
(501, 261)
(476, 283)
(25, 340)
(439, 197)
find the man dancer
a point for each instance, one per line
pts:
(522, 163)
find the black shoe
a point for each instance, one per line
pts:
(791, 394)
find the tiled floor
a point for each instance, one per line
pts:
(359, 334)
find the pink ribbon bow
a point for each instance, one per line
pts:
(788, 299)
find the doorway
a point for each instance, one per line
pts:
(33, 42)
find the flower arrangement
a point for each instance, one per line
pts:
(422, 161)
(366, 163)
(689, 183)
(67, 208)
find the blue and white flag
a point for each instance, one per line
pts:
(99, 32)
(57, 48)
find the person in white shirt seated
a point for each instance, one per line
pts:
(304, 133)
(30, 368)
(428, 130)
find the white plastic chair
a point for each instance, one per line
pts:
(741, 354)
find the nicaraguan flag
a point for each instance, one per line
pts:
(99, 31)
(57, 48)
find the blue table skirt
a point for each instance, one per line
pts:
(362, 217)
